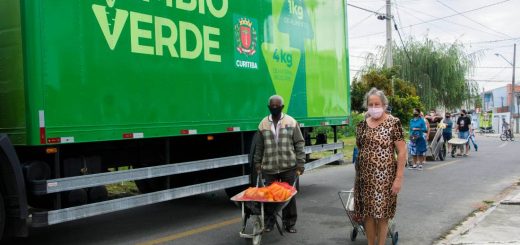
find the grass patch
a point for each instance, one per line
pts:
(348, 147)
(122, 189)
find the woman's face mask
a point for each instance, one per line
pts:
(375, 112)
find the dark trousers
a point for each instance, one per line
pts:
(289, 213)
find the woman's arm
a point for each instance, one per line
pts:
(401, 160)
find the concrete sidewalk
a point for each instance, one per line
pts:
(500, 224)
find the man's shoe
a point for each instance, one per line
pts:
(420, 167)
(290, 229)
(268, 229)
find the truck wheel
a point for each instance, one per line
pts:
(2, 216)
(76, 197)
(152, 185)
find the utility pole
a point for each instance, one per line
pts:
(389, 61)
(512, 105)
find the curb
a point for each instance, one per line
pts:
(504, 198)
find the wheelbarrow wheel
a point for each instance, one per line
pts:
(395, 238)
(442, 152)
(353, 234)
(257, 230)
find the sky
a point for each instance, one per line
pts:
(481, 28)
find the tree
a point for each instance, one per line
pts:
(437, 71)
(403, 100)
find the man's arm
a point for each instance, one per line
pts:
(299, 144)
(259, 151)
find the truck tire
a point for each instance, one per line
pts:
(76, 197)
(97, 194)
(2, 216)
(152, 185)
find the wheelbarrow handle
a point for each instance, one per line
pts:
(296, 180)
(258, 178)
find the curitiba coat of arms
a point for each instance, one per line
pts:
(245, 37)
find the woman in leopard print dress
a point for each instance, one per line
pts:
(379, 174)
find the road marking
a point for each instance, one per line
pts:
(191, 232)
(442, 165)
(502, 145)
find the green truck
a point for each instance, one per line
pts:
(167, 94)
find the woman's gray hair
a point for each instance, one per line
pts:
(275, 97)
(376, 92)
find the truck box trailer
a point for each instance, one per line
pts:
(172, 89)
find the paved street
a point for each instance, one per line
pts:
(432, 202)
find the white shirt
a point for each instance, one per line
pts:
(276, 130)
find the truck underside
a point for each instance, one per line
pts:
(68, 182)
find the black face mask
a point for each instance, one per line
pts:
(462, 115)
(415, 114)
(275, 111)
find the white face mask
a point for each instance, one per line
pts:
(375, 112)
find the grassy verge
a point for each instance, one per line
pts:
(123, 189)
(348, 148)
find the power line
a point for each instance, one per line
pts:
(404, 46)
(494, 67)
(448, 21)
(467, 11)
(368, 10)
(437, 19)
(368, 35)
(489, 81)
(397, 13)
(494, 41)
(501, 33)
(363, 20)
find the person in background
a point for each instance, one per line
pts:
(389, 110)
(417, 144)
(447, 131)
(427, 133)
(464, 128)
(505, 127)
(379, 174)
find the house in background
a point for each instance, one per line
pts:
(498, 101)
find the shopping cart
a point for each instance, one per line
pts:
(253, 210)
(347, 202)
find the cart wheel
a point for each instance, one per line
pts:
(353, 234)
(442, 152)
(395, 238)
(257, 229)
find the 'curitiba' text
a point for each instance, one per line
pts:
(156, 35)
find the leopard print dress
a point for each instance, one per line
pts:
(376, 168)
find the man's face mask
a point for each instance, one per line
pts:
(275, 111)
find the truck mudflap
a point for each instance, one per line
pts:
(12, 181)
